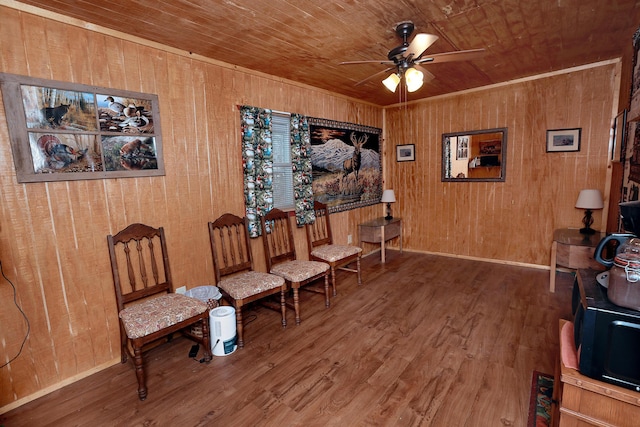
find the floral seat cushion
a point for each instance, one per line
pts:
(298, 270)
(154, 314)
(334, 253)
(249, 283)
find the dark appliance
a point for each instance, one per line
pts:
(607, 336)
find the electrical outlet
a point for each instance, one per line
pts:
(181, 290)
(349, 239)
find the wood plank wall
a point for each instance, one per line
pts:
(53, 235)
(511, 221)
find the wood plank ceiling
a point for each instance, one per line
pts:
(306, 41)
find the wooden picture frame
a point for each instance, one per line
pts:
(634, 105)
(346, 164)
(619, 138)
(462, 148)
(563, 140)
(65, 131)
(475, 156)
(405, 153)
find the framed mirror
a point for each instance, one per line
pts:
(478, 155)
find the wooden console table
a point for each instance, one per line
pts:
(573, 250)
(380, 230)
(584, 401)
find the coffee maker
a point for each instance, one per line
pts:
(622, 280)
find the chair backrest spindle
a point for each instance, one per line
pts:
(143, 269)
(154, 263)
(130, 271)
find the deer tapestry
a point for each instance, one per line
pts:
(347, 169)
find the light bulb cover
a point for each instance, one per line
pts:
(414, 79)
(392, 82)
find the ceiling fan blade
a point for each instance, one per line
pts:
(374, 75)
(419, 44)
(460, 55)
(371, 61)
(428, 76)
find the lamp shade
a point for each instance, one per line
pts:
(590, 199)
(392, 82)
(414, 79)
(388, 196)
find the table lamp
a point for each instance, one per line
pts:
(589, 200)
(388, 197)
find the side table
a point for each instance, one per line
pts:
(380, 230)
(573, 250)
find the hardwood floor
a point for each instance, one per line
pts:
(426, 340)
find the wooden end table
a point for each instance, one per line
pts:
(574, 250)
(380, 230)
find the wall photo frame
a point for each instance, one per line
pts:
(562, 140)
(64, 131)
(634, 108)
(405, 153)
(346, 164)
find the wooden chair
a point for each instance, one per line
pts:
(280, 253)
(322, 248)
(233, 266)
(147, 307)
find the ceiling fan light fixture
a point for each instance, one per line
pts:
(414, 79)
(392, 82)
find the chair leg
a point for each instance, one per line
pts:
(124, 352)
(239, 328)
(206, 341)
(327, 303)
(333, 279)
(296, 303)
(137, 361)
(358, 269)
(283, 306)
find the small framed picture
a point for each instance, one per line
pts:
(405, 153)
(462, 150)
(563, 140)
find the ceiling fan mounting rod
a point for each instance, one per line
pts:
(404, 30)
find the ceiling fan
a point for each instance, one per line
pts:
(406, 60)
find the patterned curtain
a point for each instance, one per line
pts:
(257, 163)
(302, 176)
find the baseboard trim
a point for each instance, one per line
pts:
(472, 258)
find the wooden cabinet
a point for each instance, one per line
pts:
(380, 230)
(584, 401)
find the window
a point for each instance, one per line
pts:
(282, 167)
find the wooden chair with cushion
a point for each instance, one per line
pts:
(147, 307)
(233, 266)
(280, 253)
(322, 248)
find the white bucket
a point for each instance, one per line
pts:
(222, 322)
